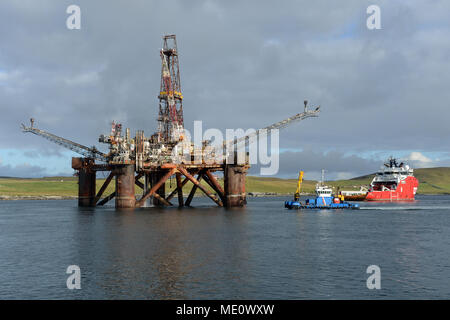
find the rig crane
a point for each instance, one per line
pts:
(76, 147)
(279, 125)
(93, 153)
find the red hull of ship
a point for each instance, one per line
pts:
(405, 191)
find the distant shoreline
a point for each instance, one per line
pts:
(44, 197)
(6, 198)
(432, 181)
(249, 195)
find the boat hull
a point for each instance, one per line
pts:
(358, 197)
(405, 191)
(320, 205)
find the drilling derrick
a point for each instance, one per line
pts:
(170, 97)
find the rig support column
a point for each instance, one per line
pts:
(86, 187)
(234, 185)
(86, 181)
(125, 197)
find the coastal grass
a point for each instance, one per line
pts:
(431, 181)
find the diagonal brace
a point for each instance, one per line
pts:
(197, 183)
(155, 187)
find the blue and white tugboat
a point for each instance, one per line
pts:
(324, 199)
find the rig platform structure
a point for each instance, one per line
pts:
(149, 162)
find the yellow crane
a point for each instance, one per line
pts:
(299, 185)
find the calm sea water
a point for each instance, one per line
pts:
(261, 252)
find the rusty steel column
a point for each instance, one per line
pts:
(234, 185)
(125, 197)
(86, 187)
(180, 190)
(86, 181)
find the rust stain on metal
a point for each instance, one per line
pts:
(125, 197)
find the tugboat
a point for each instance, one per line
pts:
(324, 198)
(393, 182)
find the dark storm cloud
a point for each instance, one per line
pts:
(243, 64)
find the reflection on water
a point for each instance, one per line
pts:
(165, 254)
(261, 252)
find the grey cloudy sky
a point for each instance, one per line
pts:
(244, 64)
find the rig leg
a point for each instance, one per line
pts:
(234, 185)
(125, 197)
(86, 187)
(180, 190)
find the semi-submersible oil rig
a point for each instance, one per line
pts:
(148, 162)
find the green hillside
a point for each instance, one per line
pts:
(431, 181)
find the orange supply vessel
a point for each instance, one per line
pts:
(394, 182)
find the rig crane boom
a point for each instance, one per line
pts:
(76, 147)
(279, 125)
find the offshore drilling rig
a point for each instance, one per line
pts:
(148, 162)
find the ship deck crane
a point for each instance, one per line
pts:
(299, 185)
(76, 147)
